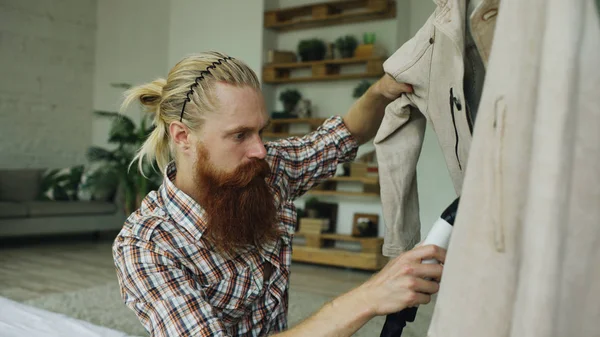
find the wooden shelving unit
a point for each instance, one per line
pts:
(319, 250)
(326, 70)
(329, 13)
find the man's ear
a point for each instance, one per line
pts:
(181, 135)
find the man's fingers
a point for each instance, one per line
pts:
(430, 271)
(427, 252)
(403, 87)
(426, 286)
(416, 298)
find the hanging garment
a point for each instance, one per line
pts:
(433, 62)
(524, 255)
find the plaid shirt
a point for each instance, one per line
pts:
(177, 286)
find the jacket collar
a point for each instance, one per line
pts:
(450, 18)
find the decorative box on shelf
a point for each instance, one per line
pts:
(369, 51)
(280, 56)
(313, 225)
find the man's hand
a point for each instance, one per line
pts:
(390, 89)
(403, 283)
(365, 116)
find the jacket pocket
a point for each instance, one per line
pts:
(452, 105)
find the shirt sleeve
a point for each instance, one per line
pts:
(302, 162)
(166, 299)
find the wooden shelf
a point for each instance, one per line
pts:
(326, 70)
(328, 14)
(342, 193)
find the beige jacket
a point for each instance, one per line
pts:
(524, 258)
(432, 61)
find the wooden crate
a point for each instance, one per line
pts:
(319, 249)
(281, 56)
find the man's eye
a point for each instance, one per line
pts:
(240, 135)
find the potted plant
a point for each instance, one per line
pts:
(361, 88)
(312, 50)
(114, 169)
(289, 98)
(310, 207)
(346, 45)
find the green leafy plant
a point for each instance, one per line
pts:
(312, 50)
(114, 164)
(289, 98)
(346, 45)
(61, 184)
(361, 88)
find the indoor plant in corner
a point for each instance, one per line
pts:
(114, 165)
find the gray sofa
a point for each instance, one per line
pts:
(22, 214)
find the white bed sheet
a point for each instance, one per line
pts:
(20, 320)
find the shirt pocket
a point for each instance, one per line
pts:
(233, 293)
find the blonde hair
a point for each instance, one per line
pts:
(190, 85)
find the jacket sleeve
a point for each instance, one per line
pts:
(399, 140)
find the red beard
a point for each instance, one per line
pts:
(240, 206)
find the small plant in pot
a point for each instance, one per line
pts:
(346, 45)
(361, 88)
(289, 98)
(310, 208)
(312, 50)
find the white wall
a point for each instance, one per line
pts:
(419, 11)
(230, 26)
(435, 187)
(46, 68)
(131, 47)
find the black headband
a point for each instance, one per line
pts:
(202, 73)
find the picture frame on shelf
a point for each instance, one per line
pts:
(365, 225)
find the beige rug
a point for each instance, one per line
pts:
(102, 306)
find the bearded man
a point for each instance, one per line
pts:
(209, 253)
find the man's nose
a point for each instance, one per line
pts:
(257, 149)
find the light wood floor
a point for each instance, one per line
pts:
(30, 268)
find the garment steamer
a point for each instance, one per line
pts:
(439, 236)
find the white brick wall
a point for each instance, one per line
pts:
(46, 70)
